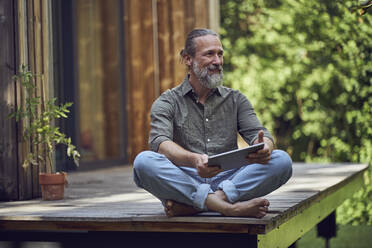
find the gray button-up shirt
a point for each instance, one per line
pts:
(212, 128)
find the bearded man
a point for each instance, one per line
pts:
(200, 118)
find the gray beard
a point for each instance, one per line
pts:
(206, 80)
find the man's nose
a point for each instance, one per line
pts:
(217, 60)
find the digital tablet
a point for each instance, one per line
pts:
(235, 158)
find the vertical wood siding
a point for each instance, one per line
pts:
(140, 76)
(173, 20)
(29, 34)
(8, 146)
(154, 34)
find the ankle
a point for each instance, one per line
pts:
(221, 195)
(231, 210)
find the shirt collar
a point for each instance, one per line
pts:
(186, 86)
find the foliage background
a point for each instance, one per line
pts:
(306, 67)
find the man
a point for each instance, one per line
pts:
(200, 118)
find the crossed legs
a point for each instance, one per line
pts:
(217, 202)
(236, 193)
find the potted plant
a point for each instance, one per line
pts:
(38, 118)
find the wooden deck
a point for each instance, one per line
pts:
(108, 200)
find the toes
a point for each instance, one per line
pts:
(168, 208)
(168, 212)
(261, 214)
(264, 209)
(168, 204)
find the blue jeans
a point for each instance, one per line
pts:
(155, 173)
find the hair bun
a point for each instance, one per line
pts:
(182, 53)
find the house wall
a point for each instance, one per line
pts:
(26, 40)
(8, 146)
(155, 32)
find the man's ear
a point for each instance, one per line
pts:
(188, 60)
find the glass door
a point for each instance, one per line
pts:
(94, 78)
(98, 77)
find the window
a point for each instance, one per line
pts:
(93, 77)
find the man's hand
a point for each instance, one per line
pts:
(181, 157)
(200, 163)
(261, 156)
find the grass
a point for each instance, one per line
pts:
(348, 236)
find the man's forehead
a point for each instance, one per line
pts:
(207, 42)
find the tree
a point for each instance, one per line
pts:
(307, 68)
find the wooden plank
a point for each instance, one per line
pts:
(8, 67)
(48, 58)
(128, 73)
(155, 41)
(111, 77)
(22, 32)
(283, 235)
(140, 65)
(24, 174)
(38, 69)
(201, 13)
(189, 8)
(178, 40)
(165, 45)
(45, 225)
(214, 15)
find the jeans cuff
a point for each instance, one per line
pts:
(230, 190)
(201, 195)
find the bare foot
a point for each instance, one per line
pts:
(173, 208)
(257, 208)
(220, 194)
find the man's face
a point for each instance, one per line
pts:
(208, 60)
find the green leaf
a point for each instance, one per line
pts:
(69, 151)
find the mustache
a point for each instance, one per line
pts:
(215, 67)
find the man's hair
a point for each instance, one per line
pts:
(190, 46)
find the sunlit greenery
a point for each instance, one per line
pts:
(306, 66)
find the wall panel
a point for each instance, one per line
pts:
(8, 146)
(154, 34)
(139, 58)
(173, 20)
(31, 32)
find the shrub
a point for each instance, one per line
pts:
(306, 67)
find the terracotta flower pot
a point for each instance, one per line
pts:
(52, 186)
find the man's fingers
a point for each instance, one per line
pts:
(206, 171)
(215, 170)
(260, 136)
(260, 154)
(263, 160)
(215, 173)
(204, 158)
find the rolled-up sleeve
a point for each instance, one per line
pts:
(248, 123)
(162, 114)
